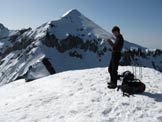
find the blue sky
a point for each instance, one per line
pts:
(140, 20)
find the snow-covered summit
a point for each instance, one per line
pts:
(75, 23)
(72, 12)
(80, 96)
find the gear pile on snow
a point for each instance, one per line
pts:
(130, 85)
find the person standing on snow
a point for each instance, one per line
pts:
(115, 57)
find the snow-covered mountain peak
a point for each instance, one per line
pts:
(3, 31)
(73, 12)
(1, 25)
(75, 23)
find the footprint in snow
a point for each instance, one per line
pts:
(90, 114)
(125, 104)
(107, 111)
(80, 88)
(73, 111)
(96, 100)
(23, 117)
(61, 117)
(48, 116)
(93, 89)
(27, 106)
(71, 94)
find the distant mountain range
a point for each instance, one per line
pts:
(72, 42)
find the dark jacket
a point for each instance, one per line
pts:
(118, 44)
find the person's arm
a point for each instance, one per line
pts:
(111, 43)
(118, 45)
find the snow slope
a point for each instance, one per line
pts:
(80, 96)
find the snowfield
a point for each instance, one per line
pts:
(80, 96)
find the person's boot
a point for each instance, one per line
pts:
(112, 85)
(108, 83)
(118, 77)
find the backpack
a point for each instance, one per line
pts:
(130, 85)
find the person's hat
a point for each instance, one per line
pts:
(115, 28)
